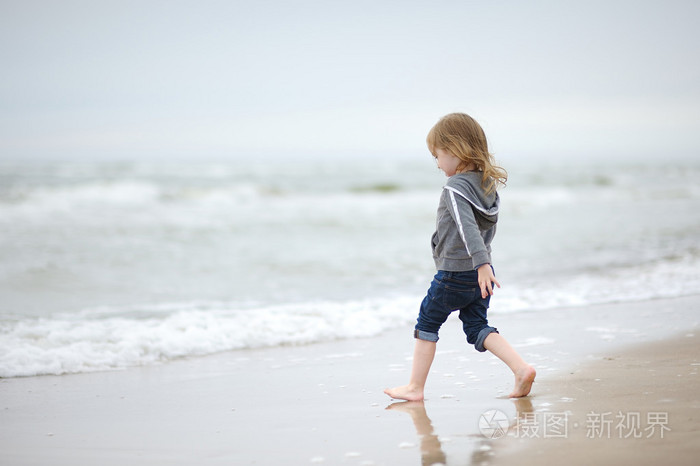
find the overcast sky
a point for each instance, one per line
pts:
(356, 78)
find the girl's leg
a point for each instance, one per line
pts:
(432, 315)
(524, 373)
(423, 355)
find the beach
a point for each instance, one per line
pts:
(218, 222)
(323, 403)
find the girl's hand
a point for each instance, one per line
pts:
(486, 280)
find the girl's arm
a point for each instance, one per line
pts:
(463, 215)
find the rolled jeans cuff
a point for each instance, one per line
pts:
(479, 345)
(427, 336)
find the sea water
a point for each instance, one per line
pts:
(110, 264)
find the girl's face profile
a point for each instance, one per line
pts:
(446, 161)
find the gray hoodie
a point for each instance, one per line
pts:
(466, 224)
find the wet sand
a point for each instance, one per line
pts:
(637, 405)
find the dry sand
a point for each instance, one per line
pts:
(323, 403)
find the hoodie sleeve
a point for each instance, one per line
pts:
(463, 214)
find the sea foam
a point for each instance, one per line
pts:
(111, 338)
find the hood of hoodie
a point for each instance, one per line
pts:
(468, 186)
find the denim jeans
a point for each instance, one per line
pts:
(451, 291)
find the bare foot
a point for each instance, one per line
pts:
(523, 382)
(407, 392)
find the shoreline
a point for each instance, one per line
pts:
(320, 403)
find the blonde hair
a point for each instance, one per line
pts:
(463, 137)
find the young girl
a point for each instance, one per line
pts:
(466, 223)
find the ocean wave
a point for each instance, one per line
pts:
(62, 188)
(147, 193)
(669, 277)
(127, 193)
(110, 338)
(117, 338)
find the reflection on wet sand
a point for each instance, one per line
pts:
(430, 446)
